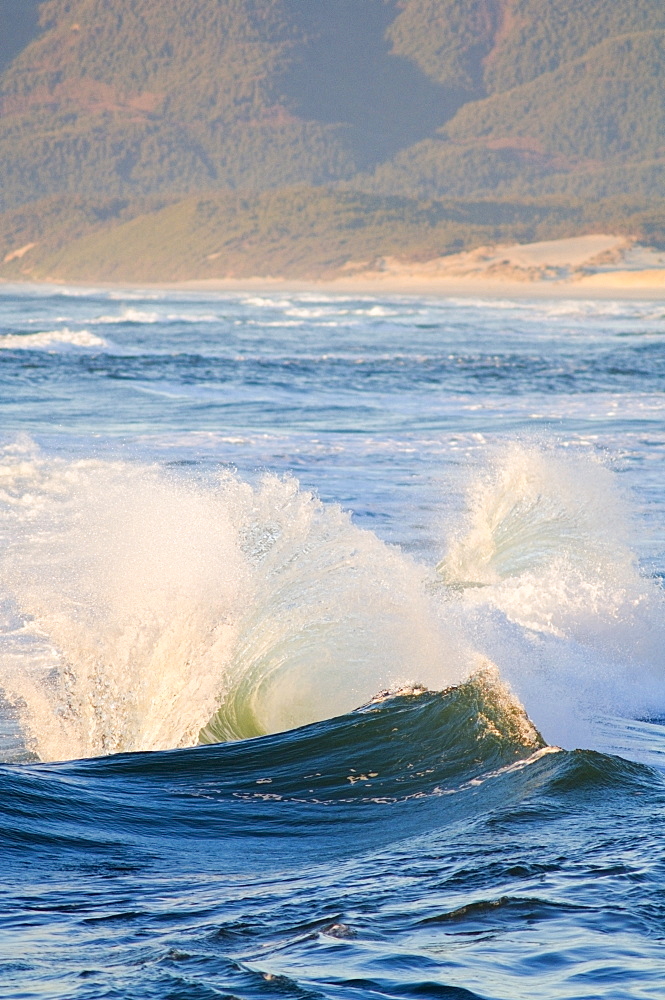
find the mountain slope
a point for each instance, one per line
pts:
(133, 106)
(145, 96)
(605, 104)
(490, 46)
(140, 96)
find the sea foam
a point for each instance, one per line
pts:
(51, 340)
(147, 601)
(142, 605)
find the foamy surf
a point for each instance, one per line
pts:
(544, 562)
(51, 340)
(146, 602)
(413, 843)
(148, 610)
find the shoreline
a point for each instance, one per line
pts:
(597, 266)
(430, 288)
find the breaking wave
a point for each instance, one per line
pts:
(51, 340)
(147, 611)
(544, 567)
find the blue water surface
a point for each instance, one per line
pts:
(429, 843)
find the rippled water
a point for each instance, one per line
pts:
(331, 646)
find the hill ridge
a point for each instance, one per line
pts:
(138, 102)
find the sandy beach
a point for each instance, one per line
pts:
(594, 266)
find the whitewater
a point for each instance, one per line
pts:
(331, 646)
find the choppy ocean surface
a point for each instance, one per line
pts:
(332, 647)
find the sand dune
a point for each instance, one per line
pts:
(597, 266)
(582, 263)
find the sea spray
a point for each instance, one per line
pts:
(533, 506)
(128, 584)
(421, 845)
(149, 604)
(148, 610)
(336, 616)
(551, 590)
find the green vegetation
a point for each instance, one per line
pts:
(606, 104)
(488, 48)
(44, 154)
(315, 133)
(536, 37)
(471, 170)
(449, 39)
(137, 96)
(291, 232)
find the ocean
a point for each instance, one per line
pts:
(332, 646)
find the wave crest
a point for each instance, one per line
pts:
(144, 610)
(547, 579)
(142, 603)
(51, 340)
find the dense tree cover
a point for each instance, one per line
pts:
(489, 46)
(140, 103)
(537, 37)
(187, 56)
(435, 167)
(139, 96)
(43, 154)
(449, 39)
(608, 103)
(594, 127)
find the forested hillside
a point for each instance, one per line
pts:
(115, 109)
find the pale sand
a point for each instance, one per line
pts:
(598, 266)
(595, 266)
